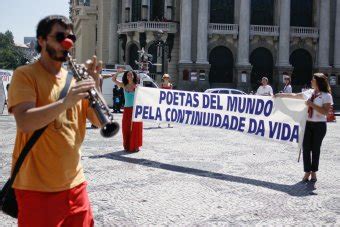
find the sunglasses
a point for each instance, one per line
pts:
(61, 36)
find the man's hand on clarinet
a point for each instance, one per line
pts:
(94, 67)
(77, 92)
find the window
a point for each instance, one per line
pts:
(87, 2)
(127, 14)
(148, 84)
(222, 11)
(236, 92)
(262, 12)
(136, 10)
(301, 13)
(224, 92)
(157, 10)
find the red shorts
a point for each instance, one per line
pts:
(65, 208)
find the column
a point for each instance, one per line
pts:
(243, 40)
(123, 12)
(202, 32)
(324, 28)
(284, 42)
(185, 45)
(113, 37)
(337, 37)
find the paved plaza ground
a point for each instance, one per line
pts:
(194, 176)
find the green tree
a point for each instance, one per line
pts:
(10, 56)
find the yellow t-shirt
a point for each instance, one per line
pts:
(53, 164)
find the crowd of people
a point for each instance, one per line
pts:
(52, 172)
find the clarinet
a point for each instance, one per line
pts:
(102, 111)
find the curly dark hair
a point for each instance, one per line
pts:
(322, 82)
(45, 26)
(125, 80)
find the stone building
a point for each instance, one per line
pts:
(215, 43)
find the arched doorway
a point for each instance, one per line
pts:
(133, 56)
(157, 51)
(222, 64)
(262, 63)
(262, 12)
(222, 11)
(301, 13)
(302, 63)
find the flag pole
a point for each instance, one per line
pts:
(299, 155)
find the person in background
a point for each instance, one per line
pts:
(288, 87)
(166, 82)
(166, 85)
(319, 100)
(265, 89)
(132, 131)
(117, 99)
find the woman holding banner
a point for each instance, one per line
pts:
(132, 131)
(319, 101)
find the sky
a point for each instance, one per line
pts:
(22, 16)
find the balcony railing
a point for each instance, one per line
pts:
(224, 29)
(304, 32)
(143, 26)
(264, 30)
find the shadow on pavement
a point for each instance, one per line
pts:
(299, 189)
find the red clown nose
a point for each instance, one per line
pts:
(67, 43)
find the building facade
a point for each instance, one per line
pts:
(215, 43)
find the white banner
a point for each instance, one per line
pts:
(279, 119)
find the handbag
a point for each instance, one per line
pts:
(8, 202)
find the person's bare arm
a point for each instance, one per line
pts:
(324, 109)
(30, 118)
(119, 83)
(289, 95)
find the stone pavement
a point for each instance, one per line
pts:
(193, 176)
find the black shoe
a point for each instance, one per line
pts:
(313, 180)
(304, 180)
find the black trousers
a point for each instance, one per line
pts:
(312, 140)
